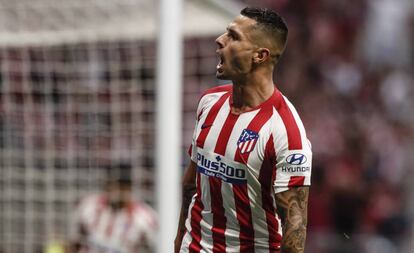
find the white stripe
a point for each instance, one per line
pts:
(188, 220)
(207, 220)
(245, 145)
(186, 243)
(252, 142)
(279, 132)
(211, 140)
(208, 101)
(206, 233)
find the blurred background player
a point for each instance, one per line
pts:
(114, 221)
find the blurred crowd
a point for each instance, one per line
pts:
(348, 68)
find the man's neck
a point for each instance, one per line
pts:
(251, 92)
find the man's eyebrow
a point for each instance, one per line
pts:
(232, 31)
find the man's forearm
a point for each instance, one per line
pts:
(292, 207)
(294, 238)
(188, 193)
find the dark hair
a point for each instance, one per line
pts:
(120, 172)
(271, 22)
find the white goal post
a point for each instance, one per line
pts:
(168, 120)
(78, 95)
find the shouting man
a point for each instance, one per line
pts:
(246, 188)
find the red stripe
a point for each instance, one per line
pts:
(296, 181)
(240, 146)
(225, 133)
(211, 116)
(196, 217)
(190, 150)
(219, 219)
(251, 145)
(243, 210)
(199, 114)
(244, 217)
(292, 129)
(266, 178)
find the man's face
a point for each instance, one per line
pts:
(119, 194)
(235, 49)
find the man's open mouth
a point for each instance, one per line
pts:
(220, 64)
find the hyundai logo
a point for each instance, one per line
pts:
(296, 159)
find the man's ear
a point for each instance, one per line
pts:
(261, 55)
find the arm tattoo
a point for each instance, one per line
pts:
(292, 206)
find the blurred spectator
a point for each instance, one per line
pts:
(113, 221)
(348, 67)
(387, 32)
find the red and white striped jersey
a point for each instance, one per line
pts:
(242, 161)
(109, 231)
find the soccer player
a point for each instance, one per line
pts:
(113, 221)
(246, 188)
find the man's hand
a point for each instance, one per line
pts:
(189, 189)
(292, 206)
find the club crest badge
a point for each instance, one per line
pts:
(247, 141)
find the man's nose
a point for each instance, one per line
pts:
(219, 41)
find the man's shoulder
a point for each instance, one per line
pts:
(217, 90)
(212, 94)
(92, 200)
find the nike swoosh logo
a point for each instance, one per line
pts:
(204, 126)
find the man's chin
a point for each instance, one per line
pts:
(221, 76)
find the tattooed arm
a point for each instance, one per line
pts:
(292, 207)
(188, 191)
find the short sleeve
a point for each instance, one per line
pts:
(192, 151)
(293, 167)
